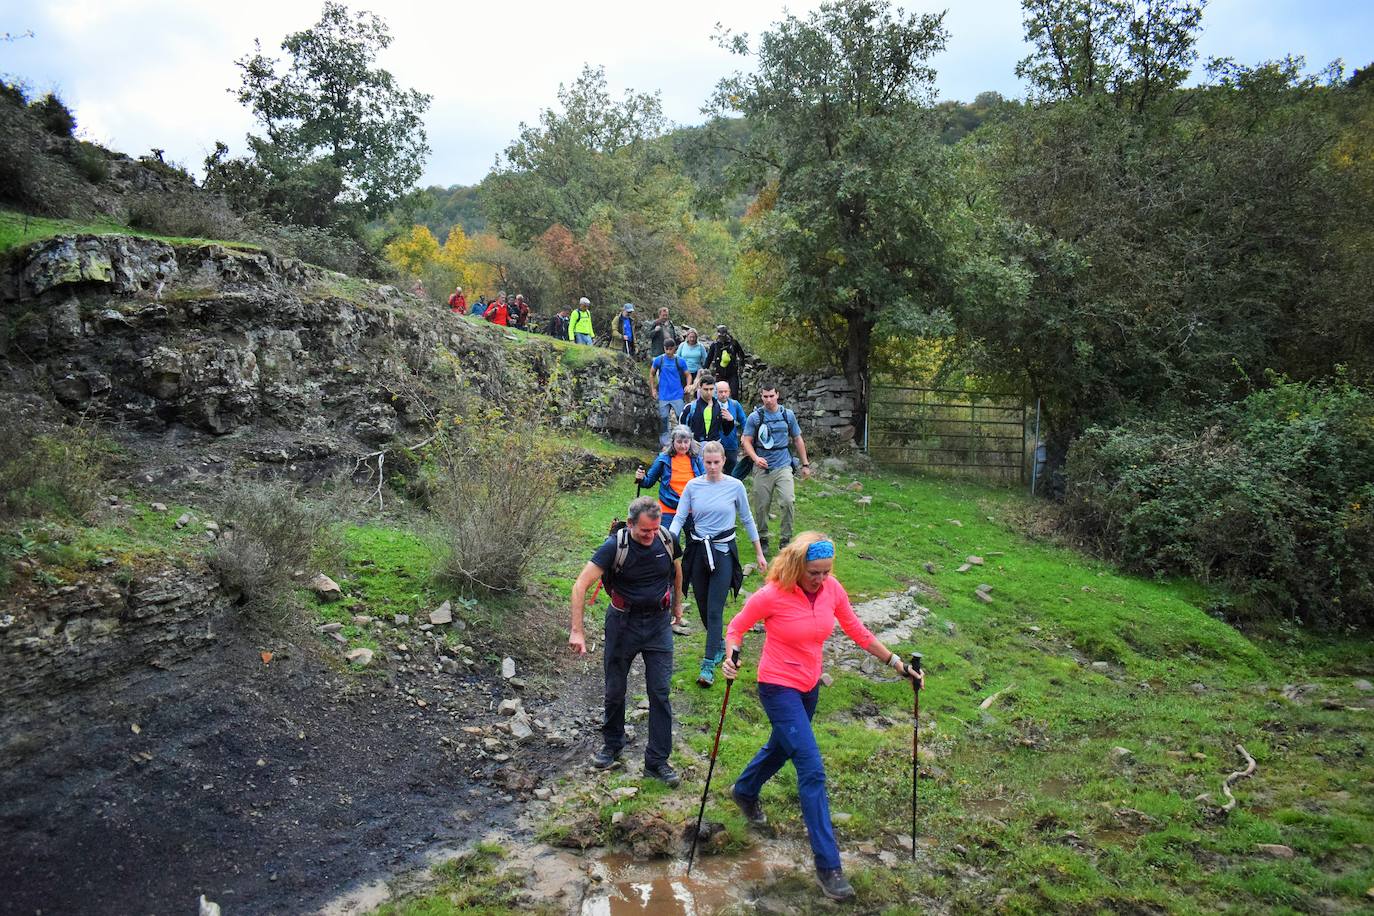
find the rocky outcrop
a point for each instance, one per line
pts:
(214, 339)
(100, 629)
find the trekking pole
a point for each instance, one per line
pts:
(914, 665)
(729, 682)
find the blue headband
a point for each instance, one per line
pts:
(820, 550)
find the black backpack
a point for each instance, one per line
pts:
(621, 532)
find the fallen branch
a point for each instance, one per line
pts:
(380, 455)
(1250, 767)
(993, 699)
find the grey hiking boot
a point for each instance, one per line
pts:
(750, 808)
(664, 772)
(833, 884)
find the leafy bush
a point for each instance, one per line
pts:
(90, 160)
(321, 247)
(269, 533)
(55, 471)
(54, 115)
(14, 94)
(188, 214)
(1272, 495)
(492, 494)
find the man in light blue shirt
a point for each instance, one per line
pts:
(768, 432)
(667, 379)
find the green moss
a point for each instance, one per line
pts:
(20, 228)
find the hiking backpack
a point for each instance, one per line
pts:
(621, 532)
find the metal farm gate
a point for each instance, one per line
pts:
(950, 430)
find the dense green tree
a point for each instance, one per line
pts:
(1175, 254)
(342, 139)
(1132, 50)
(593, 158)
(863, 227)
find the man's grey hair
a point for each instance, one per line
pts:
(682, 431)
(643, 506)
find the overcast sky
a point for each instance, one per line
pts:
(155, 73)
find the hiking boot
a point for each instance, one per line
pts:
(763, 542)
(707, 676)
(750, 808)
(664, 773)
(605, 758)
(782, 545)
(833, 884)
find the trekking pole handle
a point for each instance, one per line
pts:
(734, 660)
(915, 665)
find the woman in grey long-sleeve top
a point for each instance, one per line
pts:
(714, 503)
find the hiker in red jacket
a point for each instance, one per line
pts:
(499, 312)
(458, 303)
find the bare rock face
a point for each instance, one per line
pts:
(74, 636)
(216, 340)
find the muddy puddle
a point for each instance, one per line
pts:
(662, 887)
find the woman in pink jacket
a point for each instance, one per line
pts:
(799, 607)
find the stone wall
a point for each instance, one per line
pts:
(822, 401)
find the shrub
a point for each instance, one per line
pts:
(187, 214)
(55, 116)
(14, 94)
(321, 247)
(269, 533)
(1272, 495)
(90, 161)
(55, 471)
(492, 495)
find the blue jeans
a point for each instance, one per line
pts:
(631, 633)
(711, 590)
(583, 338)
(790, 711)
(667, 415)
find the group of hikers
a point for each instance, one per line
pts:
(686, 539)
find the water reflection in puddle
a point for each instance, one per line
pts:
(663, 887)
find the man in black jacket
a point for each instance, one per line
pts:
(724, 358)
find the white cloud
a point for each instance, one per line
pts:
(145, 73)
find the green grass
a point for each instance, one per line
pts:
(470, 884)
(19, 229)
(1029, 789)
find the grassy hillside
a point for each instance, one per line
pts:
(1029, 804)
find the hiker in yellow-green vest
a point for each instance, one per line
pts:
(724, 358)
(707, 418)
(580, 322)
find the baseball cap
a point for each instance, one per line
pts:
(584, 301)
(629, 306)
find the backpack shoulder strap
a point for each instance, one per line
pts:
(622, 548)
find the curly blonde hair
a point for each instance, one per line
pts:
(788, 566)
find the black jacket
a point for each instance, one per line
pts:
(693, 416)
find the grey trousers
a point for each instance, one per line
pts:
(768, 486)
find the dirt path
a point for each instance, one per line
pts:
(271, 788)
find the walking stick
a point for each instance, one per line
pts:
(915, 665)
(729, 682)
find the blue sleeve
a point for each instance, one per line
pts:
(657, 364)
(793, 429)
(738, 412)
(604, 557)
(745, 515)
(654, 473)
(751, 426)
